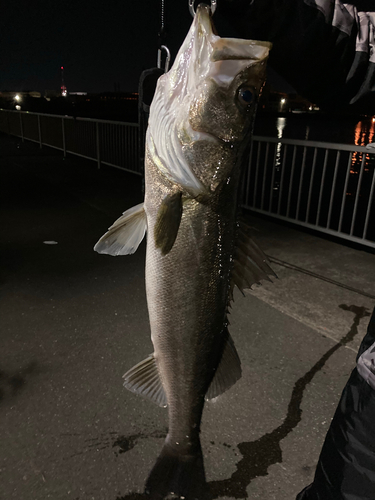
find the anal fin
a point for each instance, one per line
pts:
(144, 379)
(228, 370)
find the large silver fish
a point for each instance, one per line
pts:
(200, 123)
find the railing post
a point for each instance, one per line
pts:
(97, 144)
(39, 132)
(63, 135)
(21, 126)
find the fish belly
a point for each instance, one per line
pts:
(187, 296)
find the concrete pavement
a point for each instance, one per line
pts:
(72, 322)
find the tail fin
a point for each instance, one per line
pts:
(178, 474)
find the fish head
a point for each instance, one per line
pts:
(229, 74)
(204, 107)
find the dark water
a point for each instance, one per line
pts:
(328, 188)
(317, 127)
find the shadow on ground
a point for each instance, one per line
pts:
(259, 455)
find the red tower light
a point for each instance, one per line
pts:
(64, 91)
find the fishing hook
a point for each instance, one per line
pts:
(192, 11)
(168, 58)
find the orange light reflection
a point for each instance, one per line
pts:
(363, 134)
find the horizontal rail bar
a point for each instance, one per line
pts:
(121, 168)
(331, 232)
(315, 144)
(68, 117)
(307, 184)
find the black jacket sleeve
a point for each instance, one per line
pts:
(346, 466)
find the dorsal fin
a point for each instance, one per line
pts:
(250, 263)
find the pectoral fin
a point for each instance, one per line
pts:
(228, 370)
(167, 222)
(125, 235)
(144, 379)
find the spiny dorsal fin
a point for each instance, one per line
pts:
(125, 235)
(254, 253)
(237, 279)
(168, 221)
(144, 379)
(228, 370)
(250, 264)
(251, 271)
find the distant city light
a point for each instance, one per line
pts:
(17, 97)
(64, 91)
(18, 107)
(373, 119)
(282, 101)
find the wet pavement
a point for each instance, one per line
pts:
(72, 322)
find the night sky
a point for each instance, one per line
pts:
(99, 44)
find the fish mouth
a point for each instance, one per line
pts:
(228, 48)
(203, 16)
(202, 57)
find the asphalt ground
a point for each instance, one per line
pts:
(72, 322)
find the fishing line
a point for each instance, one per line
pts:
(162, 33)
(162, 14)
(161, 39)
(318, 276)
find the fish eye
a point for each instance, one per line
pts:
(245, 95)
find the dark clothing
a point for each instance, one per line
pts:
(346, 467)
(323, 48)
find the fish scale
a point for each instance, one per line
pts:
(199, 128)
(188, 313)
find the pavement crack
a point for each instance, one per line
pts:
(259, 455)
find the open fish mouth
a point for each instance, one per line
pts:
(228, 48)
(184, 110)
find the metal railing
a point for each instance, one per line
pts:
(107, 142)
(322, 186)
